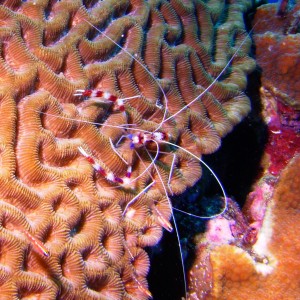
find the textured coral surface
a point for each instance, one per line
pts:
(283, 132)
(277, 42)
(48, 188)
(254, 253)
(270, 268)
(273, 270)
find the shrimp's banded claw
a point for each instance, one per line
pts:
(97, 94)
(107, 96)
(108, 175)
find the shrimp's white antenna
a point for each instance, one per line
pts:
(153, 160)
(212, 172)
(174, 221)
(171, 173)
(121, 126)
(189, 214)
(213, 82)
(115, 150)
(146, 168)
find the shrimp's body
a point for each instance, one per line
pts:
(137, 138)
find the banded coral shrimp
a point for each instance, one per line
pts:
(154, 137)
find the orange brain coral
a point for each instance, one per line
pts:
(48, 188)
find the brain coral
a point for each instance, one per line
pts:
(49, 189)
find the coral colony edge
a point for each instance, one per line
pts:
(253, 253)
(107, 108)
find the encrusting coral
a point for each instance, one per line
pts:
(268, 270)
(277, 42)
(49, 190)
(276, 35)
